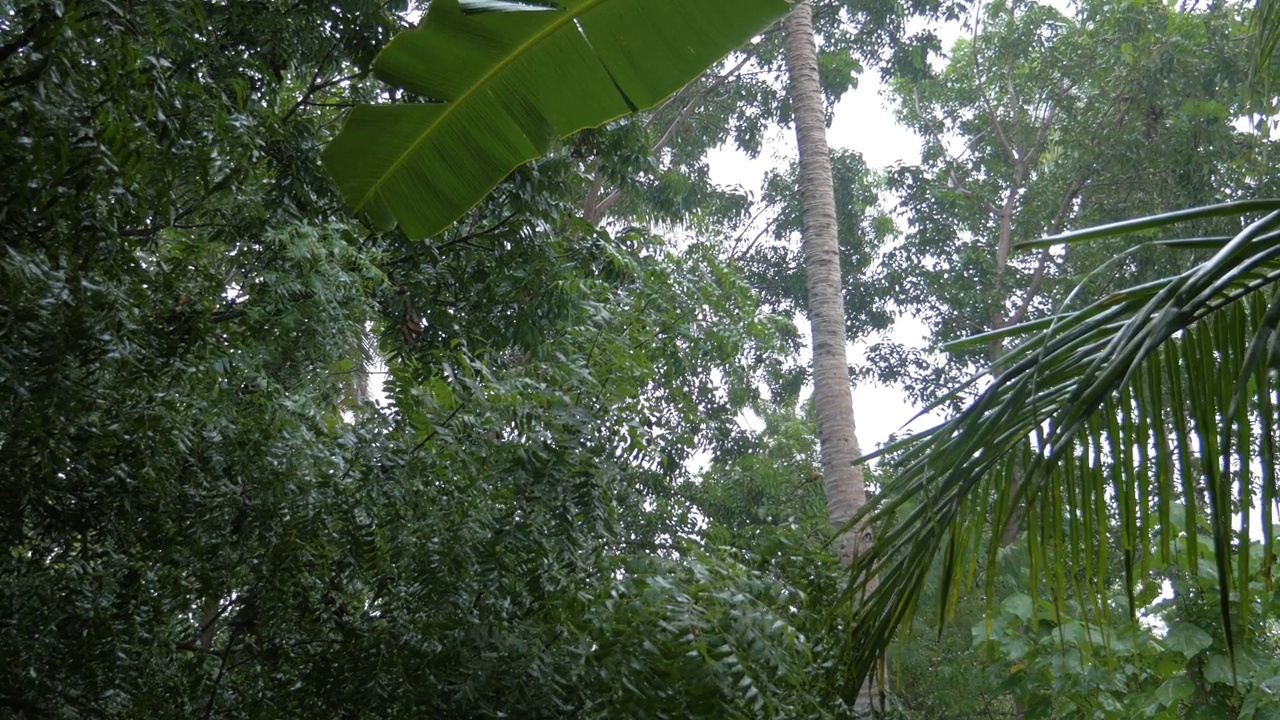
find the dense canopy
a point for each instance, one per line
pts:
(549, 448)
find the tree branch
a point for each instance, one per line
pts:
(963, 190)
(1055, 227)
(222, 670)
(692, 105)
(1037, 278)
(594, 210)
(314, 87)
(982, 92)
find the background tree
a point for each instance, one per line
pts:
(1157, 396)
(1043, 121)
(1056, 118)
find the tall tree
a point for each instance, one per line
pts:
(1147, 423)
(832, 396)
(1146, 419)
(842, 480)
(1044, 120)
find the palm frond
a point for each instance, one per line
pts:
(1099, 425)
(1265, 25)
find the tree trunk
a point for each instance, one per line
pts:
(832, 397)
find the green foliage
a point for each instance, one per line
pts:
(935, 671)
(1057, 666)
(171, 429)
(1143, 386)
(1152, 396)
(1175, 663)
(1043, 121)
(774, 260)
(501, 81)
(761, 504)
(713, 637)
(772, 479)
(203, 512)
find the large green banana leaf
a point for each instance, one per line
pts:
(506, 78)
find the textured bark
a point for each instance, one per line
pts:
(832, 396)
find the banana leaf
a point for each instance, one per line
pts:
(499, 81)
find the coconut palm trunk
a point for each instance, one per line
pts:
(837, 441)
(832, 397)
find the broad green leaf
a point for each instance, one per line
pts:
(1174, 690)
(502, 85)
(1217, 669)
(1018, 605)
(1187, 639)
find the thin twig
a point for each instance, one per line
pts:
(222, 669)
(436, 430)
(1055, 227)
(982, 90)
(316, 87)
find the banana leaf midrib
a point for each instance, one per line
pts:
(448, 105)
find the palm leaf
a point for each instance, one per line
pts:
(1154, 397)
(502, 80)
(1265, 24)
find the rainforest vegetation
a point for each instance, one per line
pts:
(403, 359)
